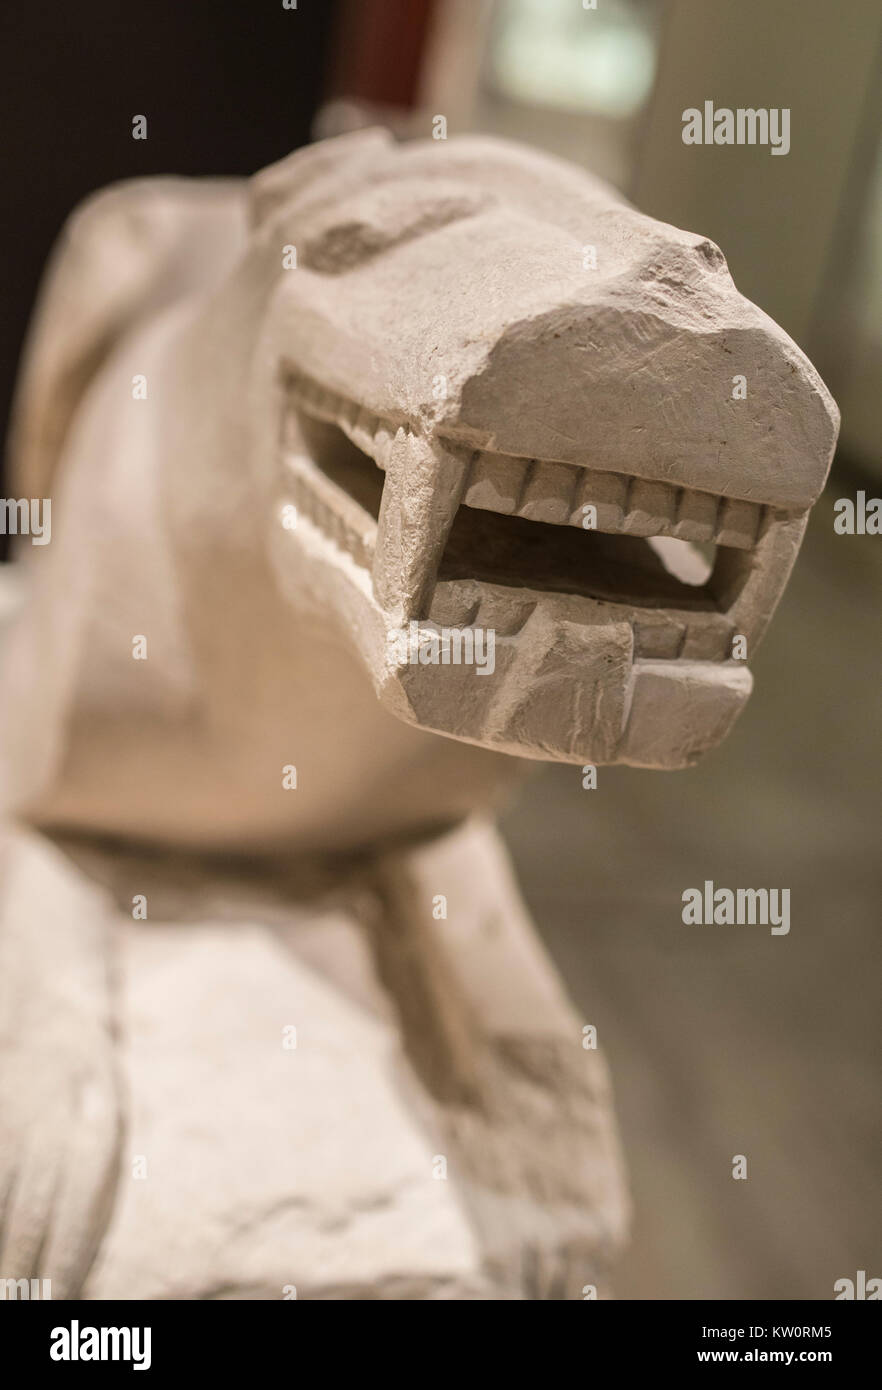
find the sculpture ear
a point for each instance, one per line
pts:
(123, 254)
(277, 183)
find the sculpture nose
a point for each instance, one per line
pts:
(700, 391)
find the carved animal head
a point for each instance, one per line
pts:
(512, 404)
(498, 400)
(516, 405)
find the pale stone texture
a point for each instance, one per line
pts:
(444, 388)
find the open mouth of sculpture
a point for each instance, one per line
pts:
(504, 533)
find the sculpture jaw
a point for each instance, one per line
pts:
(604, 647)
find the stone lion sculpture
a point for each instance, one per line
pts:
(275, 1020)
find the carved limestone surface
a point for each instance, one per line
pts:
(370, 477)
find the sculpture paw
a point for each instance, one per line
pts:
(60, 1109)
(59, 1153)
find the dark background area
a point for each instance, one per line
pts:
(227, 87)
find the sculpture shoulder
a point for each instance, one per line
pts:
(126, 252)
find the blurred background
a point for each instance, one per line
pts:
(722, 1041)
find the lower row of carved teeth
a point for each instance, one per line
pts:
(318, 501)
(558, 493)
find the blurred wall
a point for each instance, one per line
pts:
(775, 216)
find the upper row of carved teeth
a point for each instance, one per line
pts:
(562, 494)
(558, 493)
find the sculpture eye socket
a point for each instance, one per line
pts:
(343, 246)
(384, 220)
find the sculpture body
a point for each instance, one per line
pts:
(445, 388)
